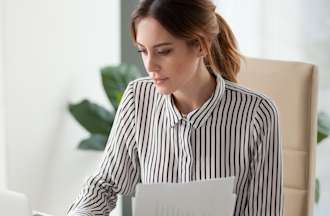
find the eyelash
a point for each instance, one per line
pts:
(164, 52)
(141, 51)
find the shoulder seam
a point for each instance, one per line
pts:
(248, 91)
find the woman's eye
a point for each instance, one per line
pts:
(164, 52)
(141, 50)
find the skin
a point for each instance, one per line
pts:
(182, 66)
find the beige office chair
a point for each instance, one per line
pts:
(293, 86)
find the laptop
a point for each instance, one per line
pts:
(14, 204)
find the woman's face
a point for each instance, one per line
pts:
(169, 61)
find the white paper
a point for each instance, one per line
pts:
(213, 197)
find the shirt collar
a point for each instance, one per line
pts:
(198, 116)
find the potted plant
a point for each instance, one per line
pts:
(96, 119)
(323, 131)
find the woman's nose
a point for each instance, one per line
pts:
(151, 64)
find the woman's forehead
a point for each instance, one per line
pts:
(149, 32)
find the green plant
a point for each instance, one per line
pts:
(96, 119)
(323, 131)
(323, 123)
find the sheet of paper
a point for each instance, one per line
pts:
(213, 197)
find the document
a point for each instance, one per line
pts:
(212, 197)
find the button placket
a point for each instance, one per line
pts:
(187, 156)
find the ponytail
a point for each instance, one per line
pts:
(224, 56)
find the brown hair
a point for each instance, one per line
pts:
(195, 21)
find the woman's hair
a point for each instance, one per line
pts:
(196, 22)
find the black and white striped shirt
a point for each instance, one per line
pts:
(234, 133)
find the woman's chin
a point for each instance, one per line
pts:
(163, 90)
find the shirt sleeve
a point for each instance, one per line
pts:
(118, 171)
(266, 180)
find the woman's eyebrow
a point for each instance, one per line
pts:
(158, 45)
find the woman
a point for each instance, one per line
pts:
(189, 120)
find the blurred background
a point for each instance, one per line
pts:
(51, 53)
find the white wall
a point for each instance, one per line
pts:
(244, 18)
(261, 28)
(54, 50)
(2, 106)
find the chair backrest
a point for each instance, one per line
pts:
(293, 86)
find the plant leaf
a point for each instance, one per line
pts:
(92, 117)
(321, 136)
(317, 190)
(323, 126)
(115, 80)
(95, 142)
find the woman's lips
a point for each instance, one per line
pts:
(160, 81)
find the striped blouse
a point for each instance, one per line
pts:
(234, 133)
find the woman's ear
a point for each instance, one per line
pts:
(198, 48)
(201, 49)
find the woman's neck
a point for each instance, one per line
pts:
(196, 92)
